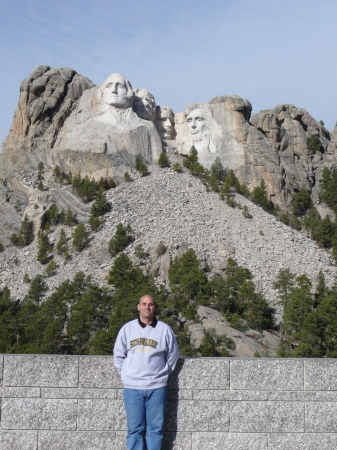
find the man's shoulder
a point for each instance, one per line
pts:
(130, 324)
(164, 326)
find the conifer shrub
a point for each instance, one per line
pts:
(163, 161)
(127, 177)
(177, 167)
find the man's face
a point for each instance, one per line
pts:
(146, 308)
(196, 124)
(144, 105)
(115, 91)
(165, 124)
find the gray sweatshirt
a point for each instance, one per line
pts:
(145, 355)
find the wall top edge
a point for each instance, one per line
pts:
(198, 358)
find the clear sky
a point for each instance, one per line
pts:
(182, 51)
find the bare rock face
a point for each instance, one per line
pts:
(289, 127)
(221, 129)
(46, 99)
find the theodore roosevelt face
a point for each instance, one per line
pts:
(196, 124)
(117, 91)
(144, 104)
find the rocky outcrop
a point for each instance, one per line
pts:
(248, 343)
(46, 99)
(289, 127)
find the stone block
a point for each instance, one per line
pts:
(38, 413)
(19, 392)
(229, 441)
(206, 373)
(98, 372)
(300, 441)
(77, 440)
(1, 369)
(181, 394)
(264, 374)
(78, 393)
(41, 370)
(18, 440)
(304, 396)
(204, 394)
(262, 417)
(191, 415)
(177, 441)
(320, 375)
(321, 417)
(97, 414)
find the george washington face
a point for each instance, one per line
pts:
(117, 91)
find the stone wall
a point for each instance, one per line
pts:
(75, 403)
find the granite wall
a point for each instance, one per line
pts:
(75, 403)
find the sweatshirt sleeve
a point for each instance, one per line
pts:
(120, 350)
(172, 354)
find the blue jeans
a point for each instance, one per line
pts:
(145, 406)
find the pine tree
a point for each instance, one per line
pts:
(100, 206)
(121, 239)
(69, 218)
(61, 244)
(26, 231)
(37, 289)
(44, 248)
(163, 160)
(80, 237)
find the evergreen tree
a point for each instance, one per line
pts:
(26, 231)
(69, 218)
(163, 161)
(80, 237)
(121, 239)
(44, 248)
(37, 289)
(100, 206)
(259, 196)
(61, 243)
(284, 284)
(301, 202)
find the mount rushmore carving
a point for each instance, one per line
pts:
(63, 118)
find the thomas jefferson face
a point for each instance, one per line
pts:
(144, 104)
(164, 122)
(196, 124)
(117, 91)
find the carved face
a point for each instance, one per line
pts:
(165, 122)
(196, 124)
(116, 91)
(144, 104)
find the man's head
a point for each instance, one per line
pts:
(165, 122)
(196, 124)
(117, 91)
(146, 308)
(144, 104)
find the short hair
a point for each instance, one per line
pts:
(147, 295)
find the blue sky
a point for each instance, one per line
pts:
(183, 51)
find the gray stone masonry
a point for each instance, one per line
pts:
(75, 402)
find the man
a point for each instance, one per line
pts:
(145, 353)
(144, 104)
